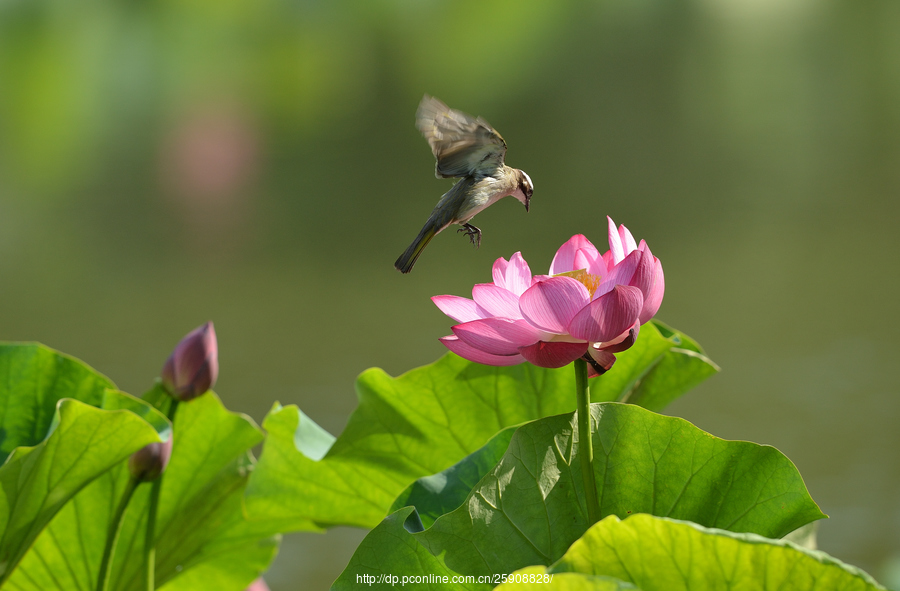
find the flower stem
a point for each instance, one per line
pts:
(112, 535)
(585, 449)
(150, 534)
(149, 541)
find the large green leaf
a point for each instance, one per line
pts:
(33, 378)
(659, 554)
(530, 508)
(667, 364)
(632, 365)
(440, 493)
(64, 427)
(424, 421)
(537, 578)
(204, 541)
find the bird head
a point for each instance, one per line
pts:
(524, 188)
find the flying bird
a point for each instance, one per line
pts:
(469, 148)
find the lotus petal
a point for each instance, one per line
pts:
(496, 300)
(577, 253)
(653, 300)
(553, 354)
(497, 336)
(608, 316)
(472, 354)
(457, 308)
(550, 305)
(514, 275)
(603, 359)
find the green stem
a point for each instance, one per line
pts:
(149, 539)
(585, 449)
(150, 535)
(112, 536)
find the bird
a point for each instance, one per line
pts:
(468, 148)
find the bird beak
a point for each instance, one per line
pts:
(527, 203)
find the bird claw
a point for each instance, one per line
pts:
(473, 233)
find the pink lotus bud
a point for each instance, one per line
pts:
(193, 366)
(150, 461)
(258, 585)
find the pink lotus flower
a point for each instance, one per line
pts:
(590, 306)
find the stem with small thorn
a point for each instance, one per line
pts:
(585, 449)
(112, 535)
(150, 535)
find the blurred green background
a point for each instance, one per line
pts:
(255, 163)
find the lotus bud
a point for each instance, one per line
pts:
(150, 461)
(193, 366)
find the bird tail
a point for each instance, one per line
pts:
(406, 261)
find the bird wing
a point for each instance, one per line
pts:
(463, 145)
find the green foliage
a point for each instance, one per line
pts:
(203, 540)
(530, 507)
(477, 466)
(536, 578)
(35, 378)
(432, 496)
(63, 426)
(659, 554)
(70, 432)
(429, 418)
(678, 369)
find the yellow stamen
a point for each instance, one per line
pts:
(590, 281)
